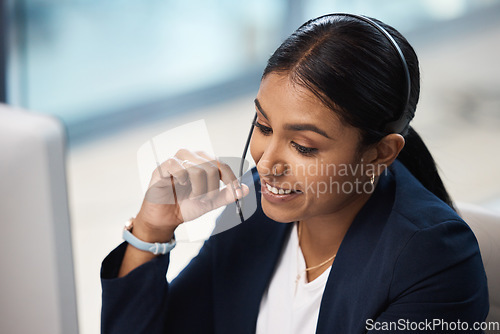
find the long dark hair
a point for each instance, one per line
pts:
(354, 70)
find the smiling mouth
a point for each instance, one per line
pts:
(279, 191)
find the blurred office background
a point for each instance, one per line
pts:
(118, 72)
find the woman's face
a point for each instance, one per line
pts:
(318, 165)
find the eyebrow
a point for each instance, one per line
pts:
(306, 127)
(294, 127)
(258, 106)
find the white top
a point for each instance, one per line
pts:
(291, 305)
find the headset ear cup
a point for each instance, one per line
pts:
(402, 124)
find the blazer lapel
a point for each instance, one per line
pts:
(241, 280)
(356, 250)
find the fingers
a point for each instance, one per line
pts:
(169, 167)
(198, 179)
(177, 169)
(190, 181)
(203, 173)
(209, 164)
(200, 173)
(226, 173)
(226, 196)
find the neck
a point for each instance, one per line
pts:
(321, 236)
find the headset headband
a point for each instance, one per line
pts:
(399, 125)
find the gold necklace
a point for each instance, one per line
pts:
(318, 265)
(299, 274)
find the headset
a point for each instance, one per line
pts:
(396, 126)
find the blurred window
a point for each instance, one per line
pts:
(403, 15)
(77, 59)
(84, 59)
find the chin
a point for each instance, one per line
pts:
(278, 215)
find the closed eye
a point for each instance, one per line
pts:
(265, 130)
(307, 151)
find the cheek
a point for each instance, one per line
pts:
(256, 148)
(333, 180)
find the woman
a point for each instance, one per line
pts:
(354, 230)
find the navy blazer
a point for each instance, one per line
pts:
(406, 257)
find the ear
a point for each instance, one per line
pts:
(383, 153)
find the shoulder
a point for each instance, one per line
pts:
(435, 243)
(417, 204)
(423, 222)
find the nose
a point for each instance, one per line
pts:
(271, 162)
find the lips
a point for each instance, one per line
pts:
(277, 194)
(277, 191)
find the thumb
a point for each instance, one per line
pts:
(243, 191)
(229, 195)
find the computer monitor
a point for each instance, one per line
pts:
(37, 285)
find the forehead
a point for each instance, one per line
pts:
(282, 98)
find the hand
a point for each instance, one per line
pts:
(183, 188)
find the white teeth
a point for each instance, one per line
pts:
(277, 191)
